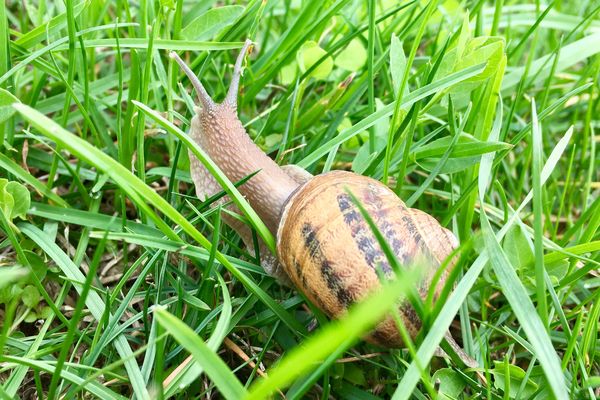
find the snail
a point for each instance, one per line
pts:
(325, 247)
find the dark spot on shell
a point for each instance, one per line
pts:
(308, 290)
(310, 240)
(380, 338)
(410, 226)
(299, 272)
(367, 247)
(361, 232)
(333, 281)
(411, 320)
(418, 238)
(344, 202)
(351, 214)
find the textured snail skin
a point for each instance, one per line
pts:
(221, 134)
(218, 130)
(330, 253)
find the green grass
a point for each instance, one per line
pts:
(117, 282)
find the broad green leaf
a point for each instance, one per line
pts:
(10, 166)
(450, 383)
(219, 373)
(483, 50)
(21, 197)
(451, 166)
(480, 50)
(397, 64)
(6, 101)
(287, 74)
(517, 248)
(353, 57)
(7, 201)
(211, 23)
(30, 296)
(10, 275)
(464, 36)
(355, 374)
(273, 140)
(455, 52)
(467, 146)
(10, 293)
(308, 55)
(14, 199)
(557, 270)
(468, 51)
(37, 264)
(517, 375)
(31, 316)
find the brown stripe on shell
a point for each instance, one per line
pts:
(383, 213)
(437, 244)
(333, 281)
(366, 241)
(363, 235)
(307, 289)
(425, 236)
(379, 337)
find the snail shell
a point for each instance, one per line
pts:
(330, 253)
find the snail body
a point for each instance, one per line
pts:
(324, 245)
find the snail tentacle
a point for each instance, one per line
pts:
(203, 96)
(232, 93)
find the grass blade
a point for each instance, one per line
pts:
(337, 334)
(540, 271)
(388, 110)
(521, 304)
(227, 383)
(192, 371)
(93, 302)
(93, 387)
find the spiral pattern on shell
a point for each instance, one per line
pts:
(331, 254)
